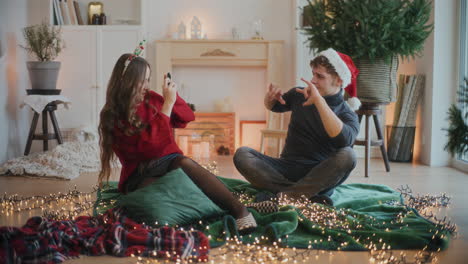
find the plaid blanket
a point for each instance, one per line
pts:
(44, 241)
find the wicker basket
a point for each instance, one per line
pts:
(377, 82)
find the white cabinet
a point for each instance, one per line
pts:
(87, 62)
(77, 77)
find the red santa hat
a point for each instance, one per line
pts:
(347, 72)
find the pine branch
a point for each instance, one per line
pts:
(458, 129)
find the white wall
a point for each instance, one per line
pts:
(245, 86)
(14, 79)
(440, 65)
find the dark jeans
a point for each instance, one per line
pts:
(295, 177)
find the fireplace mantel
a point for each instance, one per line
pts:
(239, 53)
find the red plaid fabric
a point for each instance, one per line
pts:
(44, 241)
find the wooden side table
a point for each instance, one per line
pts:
(372, 110)
(45, 136)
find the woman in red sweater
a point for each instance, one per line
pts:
(136, 126)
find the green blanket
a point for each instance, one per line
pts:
(363, 215)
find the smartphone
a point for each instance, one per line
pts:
(168, 78)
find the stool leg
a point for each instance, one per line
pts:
(368, 140)
(56, 127)
(360, 119)
(262, 146)
(45, 131)
(278, 145)
(382, 147)
(31, 133)
(280, 148)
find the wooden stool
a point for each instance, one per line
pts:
(368, 110)
(279, 135)
(274, 129)
(45, 136)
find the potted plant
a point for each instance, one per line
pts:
(374, 33)
(458, 128)
(45, 43)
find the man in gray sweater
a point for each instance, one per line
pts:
(317, 155)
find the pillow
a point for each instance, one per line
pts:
(172, 199)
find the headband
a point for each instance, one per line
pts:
(136, 53)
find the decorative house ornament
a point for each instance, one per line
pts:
(181, 31)
(257, 28)
(195, 31)
(94, 8)
(235, 33)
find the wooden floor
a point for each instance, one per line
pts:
(422, 180)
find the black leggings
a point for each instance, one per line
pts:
(208, 183)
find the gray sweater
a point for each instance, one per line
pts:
(307, 138)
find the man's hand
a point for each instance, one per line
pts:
(332, 124)
(311, 94)
(273, 95)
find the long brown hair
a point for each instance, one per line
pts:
(122, 96)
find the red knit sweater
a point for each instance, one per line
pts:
(153, 142)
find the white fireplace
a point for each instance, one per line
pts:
(238, 61)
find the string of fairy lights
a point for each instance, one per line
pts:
(55, 206)
(60, 206)
(424, 203)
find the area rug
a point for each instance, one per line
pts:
(66, 161)
(364, 217)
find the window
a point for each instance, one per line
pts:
(463, 58)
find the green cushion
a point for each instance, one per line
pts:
(172, 199)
